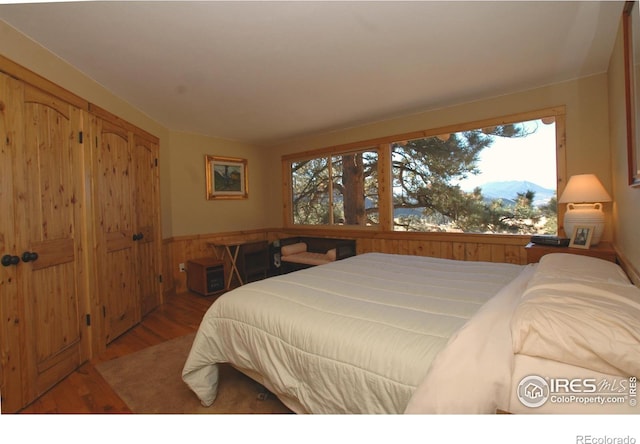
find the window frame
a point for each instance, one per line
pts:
(383, 147)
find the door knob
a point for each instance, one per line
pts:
(28, 256)
(138, 236)
(7, 260)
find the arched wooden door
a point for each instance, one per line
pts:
(115, 196)
(46, 336)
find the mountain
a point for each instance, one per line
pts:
(509, 190)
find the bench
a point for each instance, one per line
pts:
(301, 252)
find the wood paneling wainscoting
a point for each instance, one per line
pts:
(461, 246)
(179, 250)
(467, 247)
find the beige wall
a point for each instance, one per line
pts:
(192, 213)
(626, 209)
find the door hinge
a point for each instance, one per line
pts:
(156, 160)
(104, 311)
(88, 318)
(80, 137)
(160, 278)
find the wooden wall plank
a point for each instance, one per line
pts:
(462, 246)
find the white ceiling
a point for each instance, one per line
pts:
(265, 71)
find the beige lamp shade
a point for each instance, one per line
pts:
(584, 195)
(584, 188)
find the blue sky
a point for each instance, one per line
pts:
(513, 159)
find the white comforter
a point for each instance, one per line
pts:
(570, 317)
(354, 336)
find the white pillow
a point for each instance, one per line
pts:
(581, 268)
(591, 321)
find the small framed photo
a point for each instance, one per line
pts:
(226, 178)
(581, 237)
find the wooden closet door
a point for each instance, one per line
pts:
(49, 196)
(115, 191)
(11, 341)
(147, 209)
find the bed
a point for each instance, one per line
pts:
(384, 333)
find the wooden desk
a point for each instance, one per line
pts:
(603, 250)
(232, 249)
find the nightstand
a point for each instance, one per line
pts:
(604, 250)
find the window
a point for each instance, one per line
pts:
(339, 189)
(494, 176)
(478, 181)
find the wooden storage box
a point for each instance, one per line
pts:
(205, 276)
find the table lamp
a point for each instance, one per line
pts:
(584, 195)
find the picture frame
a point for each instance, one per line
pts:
(226, 178)
(581, 236)
(631, 35)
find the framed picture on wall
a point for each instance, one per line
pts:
(226, 178)
(581, 237)
(631, 30)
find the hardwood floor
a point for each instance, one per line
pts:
(85, 391)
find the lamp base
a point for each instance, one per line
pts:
(580, 215)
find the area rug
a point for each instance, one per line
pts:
(150, 381)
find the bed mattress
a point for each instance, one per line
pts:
(353, 336)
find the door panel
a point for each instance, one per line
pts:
(115, 193)
(58, 353)
(147, 210)
(11, 341)
(49, 222)
(148, 275)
